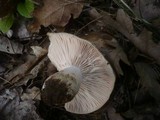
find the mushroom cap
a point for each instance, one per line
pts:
(98, 78)
(60, 88)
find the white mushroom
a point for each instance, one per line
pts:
(85, 79)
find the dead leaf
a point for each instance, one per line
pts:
(56, 12)
(146, 45)
(116, 54)
(143, 41)
(124, 20)
(149, 77)
(97, 23)
(147, 9)
(9, 46)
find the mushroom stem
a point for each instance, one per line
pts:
(73, 79)
(62, 86)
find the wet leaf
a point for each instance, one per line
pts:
(56, 12)
(9, 46)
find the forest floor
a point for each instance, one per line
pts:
(126, 32)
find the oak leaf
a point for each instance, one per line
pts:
(55, 12)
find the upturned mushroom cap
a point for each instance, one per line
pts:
(98, 78)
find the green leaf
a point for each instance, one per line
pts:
(26, 8)
(6, 23)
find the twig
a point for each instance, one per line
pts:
(87, 25)
(5, 80)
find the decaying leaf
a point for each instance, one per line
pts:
(13, 108)
(9, 46)
(149, 77)
(56, 12)
(147, 9)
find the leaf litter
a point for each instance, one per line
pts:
(13, 108)
(136, 93)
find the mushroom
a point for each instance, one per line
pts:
(85, 79)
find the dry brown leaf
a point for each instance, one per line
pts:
(56, 12)
(143, 41)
